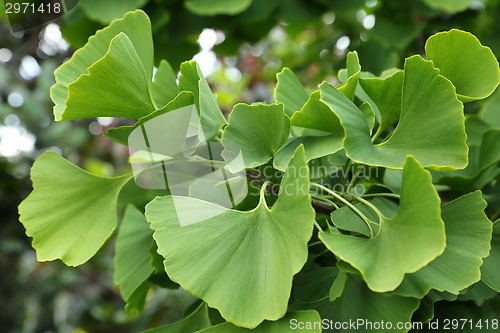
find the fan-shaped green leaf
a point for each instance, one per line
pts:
(468, 235)
(70, 213)
(196, 321)
(249, 256)
(289, 91)
(116, 86)
(308, 320)
(431, 126)
(471, 67)
(132, 259)
(386, 94)
(164, 87)
(258, 130)
(321, 130)
(490, 270)
(107, 11)
(217, 7)
(353, 72)
(211, 118)
(135, 25)
(404, 243)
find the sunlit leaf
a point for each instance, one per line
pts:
(249, 256)
(64, 223)
(431, 126)
(417, 232)
(322, 132)
(468, 235)
(353, 72)
(471, 67)
(135, 25)
(217, 7)
(258, 130)
(289, 91)
(211, 118)
(116, 86)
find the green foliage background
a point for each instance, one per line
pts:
(261, 37)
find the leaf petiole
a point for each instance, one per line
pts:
(350, 205)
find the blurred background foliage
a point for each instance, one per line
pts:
(240, 46)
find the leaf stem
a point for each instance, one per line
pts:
(372, 206)
(318, 226)
(390, 195)
(354, 178)
(350, 205)
(344, 171)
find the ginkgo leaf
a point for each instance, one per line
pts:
(258, 131)
(164, 87)
(490, 270)
(250, 256)
(468, 235)
(474, 72)
(431, 125)
(289, 91)
(64, 223)
(301, 321)
(196, 321)
(211, 118)
(132, 259)
(217, 7)
(115, 86)
(359, 304)
(417, 232)
(386, 94)
(353, 72)
(322, 133)
(135, 25)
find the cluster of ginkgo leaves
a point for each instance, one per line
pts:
(387, 253)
